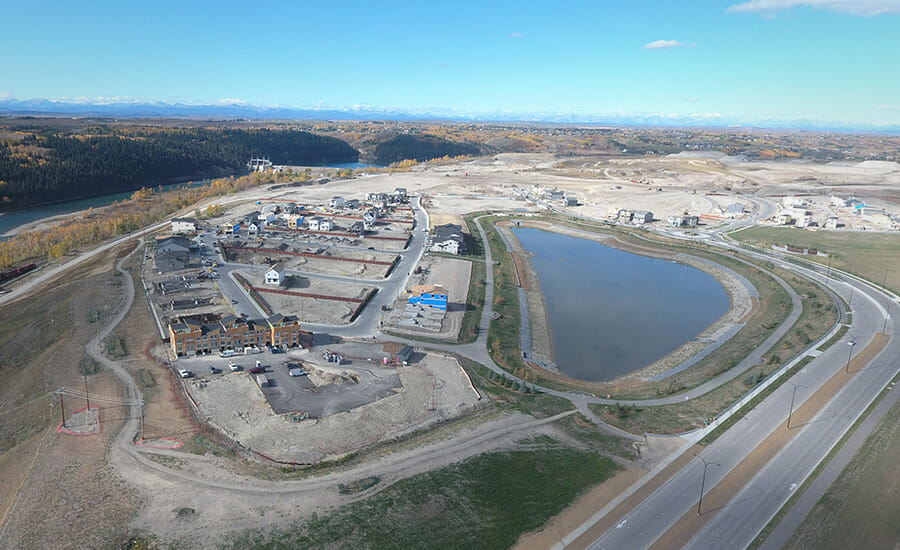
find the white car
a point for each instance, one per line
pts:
(297, 372)
(184, 373)
(233, 367)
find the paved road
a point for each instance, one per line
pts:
(780, 536)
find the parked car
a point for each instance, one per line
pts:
(226, 353)
(213, 370)
(252, 350)
(184, 373)
(297, 372)
(233, 367)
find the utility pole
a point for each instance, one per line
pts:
(791, 410)
(86, 395)
(851, 343)
(828, 274)
(703, 480)
(62, 408)
(850, 299)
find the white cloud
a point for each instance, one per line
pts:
(660, 44)
(517, 35)
(854, 7)
(889, 107)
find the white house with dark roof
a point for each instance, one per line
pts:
(275, 275)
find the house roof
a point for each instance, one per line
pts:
(278, 268)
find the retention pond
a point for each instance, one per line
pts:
(613, 312)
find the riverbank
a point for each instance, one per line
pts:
(742, 302)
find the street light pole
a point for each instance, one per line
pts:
(793, 393)
(851, 343)
(850, 299)
(703, 481)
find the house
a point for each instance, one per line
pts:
(556, 195)
(682, 221)
(370, 215)
(831, 222)
(232, 227)
(252, 217)
(295, 221)
(267, 217)
(284, 330)
(171, 254)
(429, 295)
(571, 201)
(337, 202)
(253, 227)
(184, 225)
(358, 228)
(352, 203)
(735, 209)
(784, 218)
(401, 192)
(275, 275)
(448, 238)
(313, 223)
(641, 216)
(326, 224)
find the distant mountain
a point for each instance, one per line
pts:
(128, 109)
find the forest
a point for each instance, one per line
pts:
(40, 165)
(421, 148)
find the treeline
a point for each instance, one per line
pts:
(421, 148)
(43, 167)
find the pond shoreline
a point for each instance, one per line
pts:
(741, 304)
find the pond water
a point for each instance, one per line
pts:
(613, 312)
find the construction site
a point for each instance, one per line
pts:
(363, 395)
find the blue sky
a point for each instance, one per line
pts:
(748, 62)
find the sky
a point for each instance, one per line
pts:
(738, 61)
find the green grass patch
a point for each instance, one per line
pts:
(114, 347)
(88, 366)
(538, 405)
(146, 378)
(468, 332)
(867, 256)
(485, 502)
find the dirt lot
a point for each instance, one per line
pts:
(433, 389)
(308, 309)
(318, 264)
(450, 273)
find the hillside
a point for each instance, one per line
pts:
(40, 165)
(421, 148)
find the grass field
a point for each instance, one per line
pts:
(865, 254)
(862, 507)
(485, 502)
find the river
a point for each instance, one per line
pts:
(11, 220)
(613, 312)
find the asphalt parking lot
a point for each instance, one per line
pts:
(287, 393)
